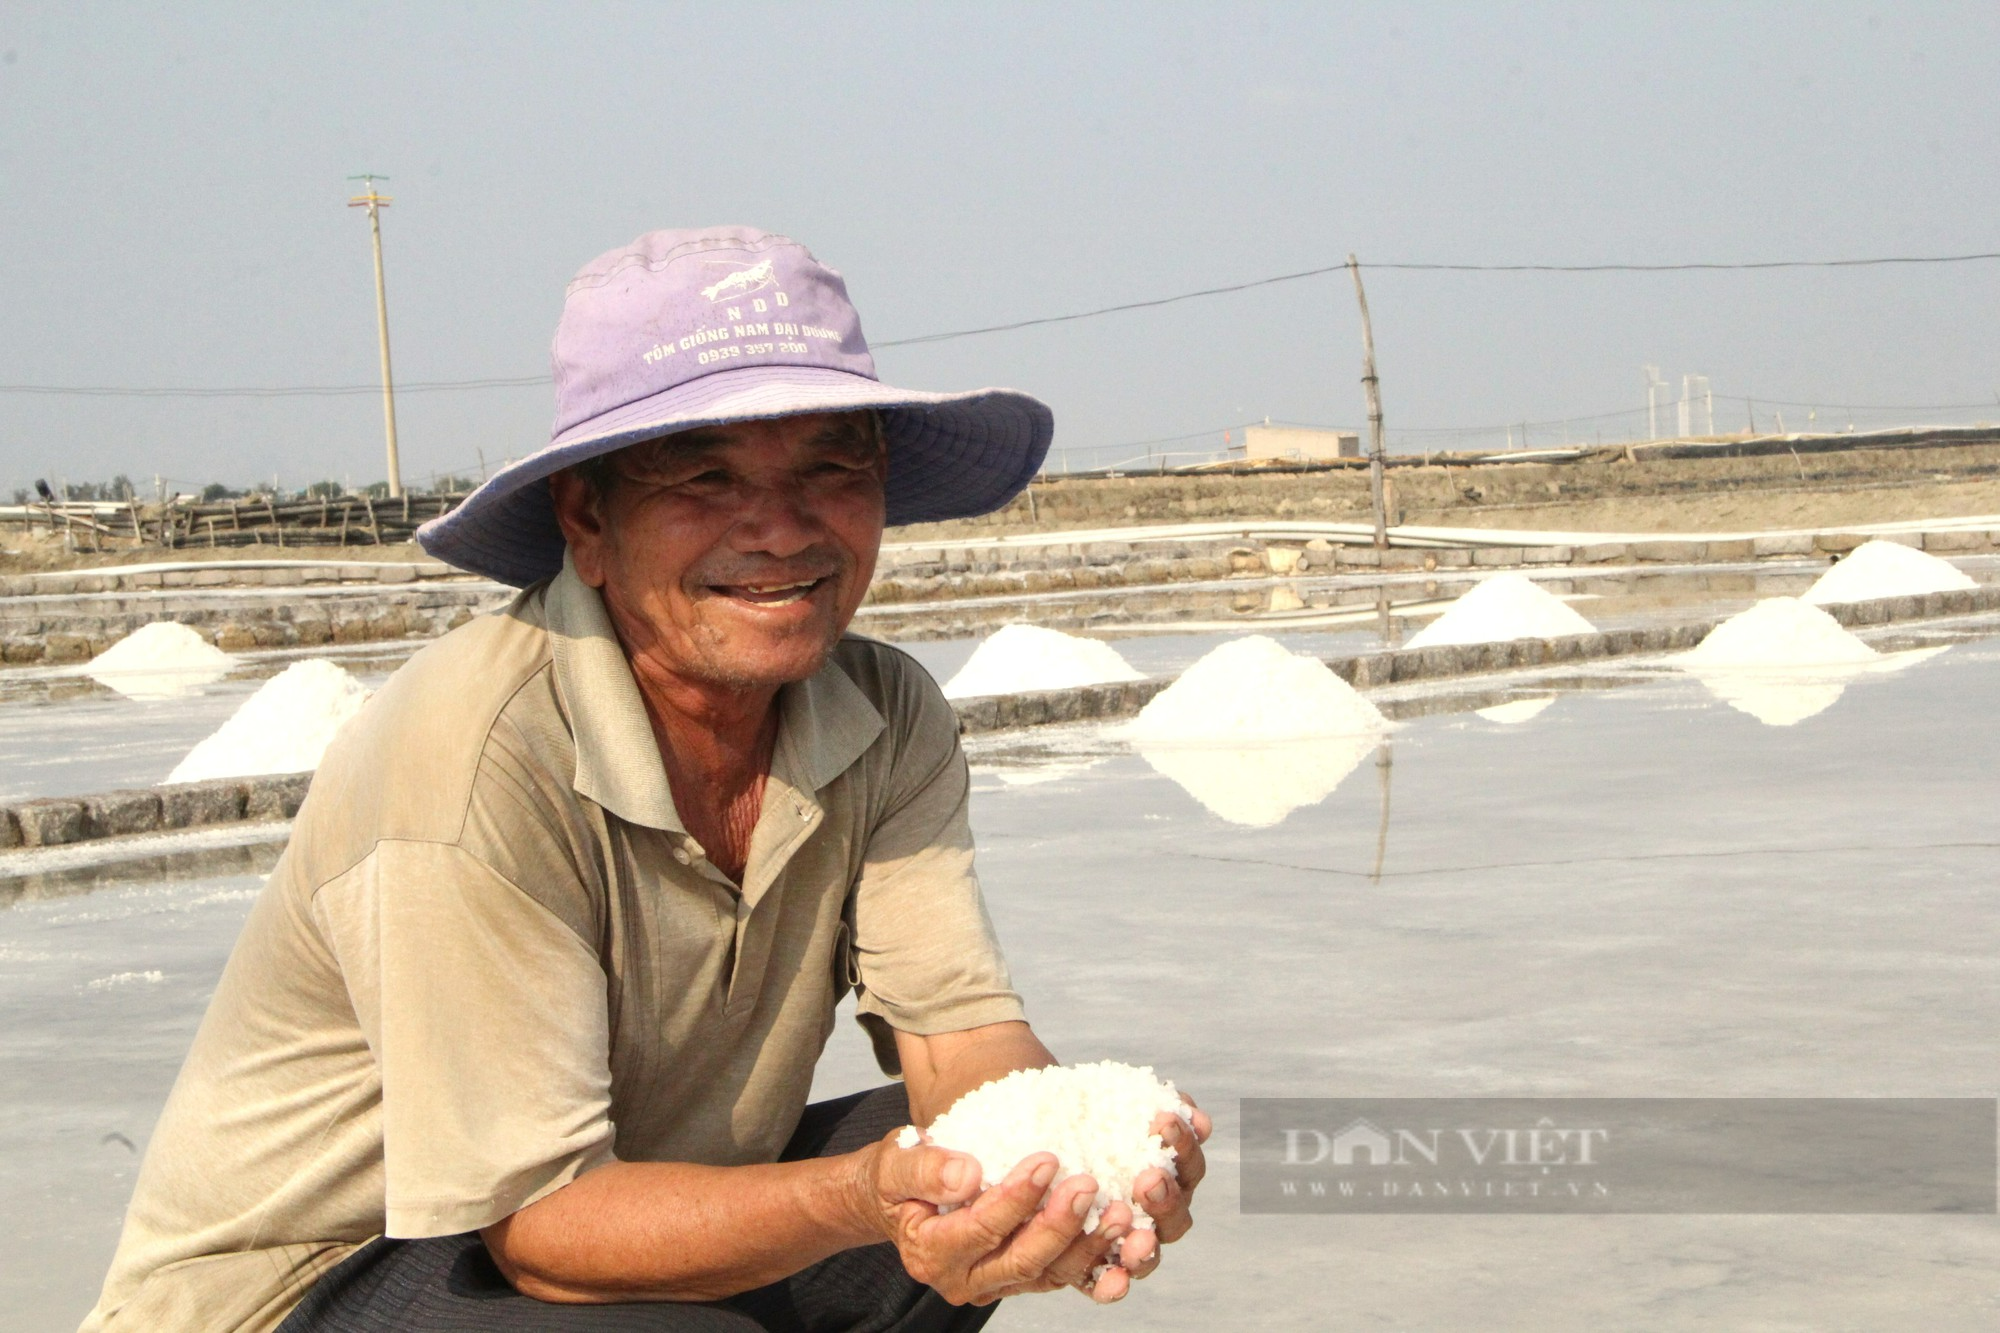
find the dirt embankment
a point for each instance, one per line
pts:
(1607, 493)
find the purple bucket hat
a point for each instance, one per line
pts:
(700, 328)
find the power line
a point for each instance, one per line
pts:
(525, 381)
(1876, 262)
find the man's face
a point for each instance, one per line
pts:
(733, 556)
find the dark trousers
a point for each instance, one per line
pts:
(450, 1282)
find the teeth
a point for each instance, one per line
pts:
(778, 587)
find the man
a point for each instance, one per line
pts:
(521, 1031)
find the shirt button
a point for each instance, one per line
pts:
(681, 855)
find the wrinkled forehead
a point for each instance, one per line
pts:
(842, 433)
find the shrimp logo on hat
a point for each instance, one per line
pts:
(745, 279)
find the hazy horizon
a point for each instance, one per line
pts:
(174, 212)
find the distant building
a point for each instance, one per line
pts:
(1301, 443)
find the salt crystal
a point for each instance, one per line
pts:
(1503, 607)
(1886, 569)
(283, 728)
(1096, 1118)
(1028, 657)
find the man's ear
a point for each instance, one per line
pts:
(580, 514)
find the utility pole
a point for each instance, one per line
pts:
(375, 203)
(1374, 389)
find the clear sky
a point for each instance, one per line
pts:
(172, 189)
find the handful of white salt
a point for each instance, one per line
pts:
(1096, 1118)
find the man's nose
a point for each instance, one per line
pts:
(777, 520)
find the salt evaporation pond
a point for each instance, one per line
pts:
(1886, 569)
(1018, 658)
(1637, 895)
(1500, 608)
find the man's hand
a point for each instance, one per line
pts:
(1165, 1197)
(1000, 1243)
(1008, 1242)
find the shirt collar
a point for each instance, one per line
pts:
(825, 722)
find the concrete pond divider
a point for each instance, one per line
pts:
(64, 820)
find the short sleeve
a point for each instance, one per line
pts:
(487, 1017)
(925, 952)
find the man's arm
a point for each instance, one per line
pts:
(678, 1231)
(938, 1070)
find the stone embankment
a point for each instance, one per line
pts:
(934, 573)
(64, 820)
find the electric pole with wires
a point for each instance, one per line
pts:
(375, 203)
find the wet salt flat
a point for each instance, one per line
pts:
(1601, 885)
(63, 735)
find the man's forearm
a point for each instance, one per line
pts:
(938, 1070)
(678, 1231)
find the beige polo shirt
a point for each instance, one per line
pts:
(492, 959)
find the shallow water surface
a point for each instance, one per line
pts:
(1614, 884)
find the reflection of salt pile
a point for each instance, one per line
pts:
(160, 661)
(1096, 1118)
(1515, 711)
(1783, 661)
(1254, 731)
(1886, 569)
(283, 728)
(1506, 606)
(1028, 657)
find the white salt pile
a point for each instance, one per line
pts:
(1505, 606)
(160, 661)
(1028, 657)
(283, 728)
(1255, 689)
(1783, 661)
(1096, 1118)
(1886, 569)
(1779, 632)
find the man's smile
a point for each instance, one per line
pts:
(770, 594)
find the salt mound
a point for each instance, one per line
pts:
(1505, 606)
(1254, 689)
(283, 728)
(1886, 569)
(1260, 786)
(1779, 632)
(160, 661)
(1096, 1118)
(1028, 657)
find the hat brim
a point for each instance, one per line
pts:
(951, 455)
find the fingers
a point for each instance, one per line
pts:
(1030, 1245)
(934, 1175)
(1165, 1201)
(1089, 1251)
(1190, 1163)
